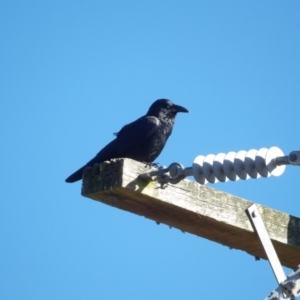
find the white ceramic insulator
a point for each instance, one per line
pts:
(208, 169)
(260, 162)
(250, 165)
(232, 166)
(271, 156)
(239, 166)
(228, 166)
(198, 169)
(218, 167)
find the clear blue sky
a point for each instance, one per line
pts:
(72, 74)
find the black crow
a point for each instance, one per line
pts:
(142, 140)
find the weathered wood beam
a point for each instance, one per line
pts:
(190, 207)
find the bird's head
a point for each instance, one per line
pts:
(164, 108)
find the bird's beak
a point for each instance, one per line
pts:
(178, 108)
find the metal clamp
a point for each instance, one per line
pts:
(290, 288)
(172, 174)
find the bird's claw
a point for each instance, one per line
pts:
(151, 165)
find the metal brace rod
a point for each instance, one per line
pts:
(266, 242)
(289, 286)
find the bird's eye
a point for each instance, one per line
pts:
(168, 106)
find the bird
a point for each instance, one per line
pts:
(142, 140)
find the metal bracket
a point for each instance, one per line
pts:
(289, 286)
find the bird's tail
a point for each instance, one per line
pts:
(75, 176)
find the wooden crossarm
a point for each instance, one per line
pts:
(190, 207)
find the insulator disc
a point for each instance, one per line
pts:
(208, 170)
(218, 165)
(198, 169)
(250, 165)
(238, 165)
(271, 156)
(228, 166)
(260, 162)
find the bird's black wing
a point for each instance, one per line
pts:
(136, 133)
(128, 139)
